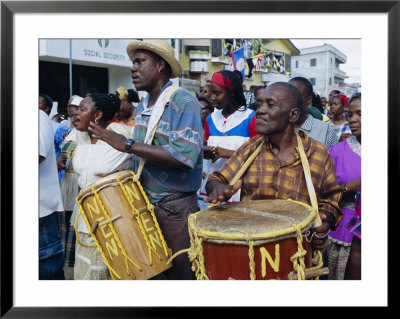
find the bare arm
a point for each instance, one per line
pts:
(219, 192)
(153, 153)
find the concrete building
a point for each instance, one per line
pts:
(74, 66)
(321, 65)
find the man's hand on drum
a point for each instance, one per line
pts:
(221, 192)
(116, 140)
(321, 232)
(120, 169)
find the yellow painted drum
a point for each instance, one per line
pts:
(261, 239)
(123, 225)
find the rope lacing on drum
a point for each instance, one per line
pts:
(298, 258)
(150, 208)
(252, 264)
(113, 273)
(139, 221)
(195, 254)
(116, 237)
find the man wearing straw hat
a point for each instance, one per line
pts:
(166, 145)
(283, 157)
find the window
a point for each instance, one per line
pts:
(313, 81)
(330, 81)
(216, 47)
(297, 64)
(313, 62)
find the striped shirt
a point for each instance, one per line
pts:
(340, 129)
(180, 134)
(268, 178)
(321, 131)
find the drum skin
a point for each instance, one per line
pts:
(268, 222)
(141, 241)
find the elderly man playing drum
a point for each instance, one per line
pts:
(277, 170)
(166, 145)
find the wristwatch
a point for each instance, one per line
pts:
(345, 189)
(128, 143)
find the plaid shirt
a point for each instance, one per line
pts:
(268, 178)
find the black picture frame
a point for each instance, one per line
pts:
(9, 8)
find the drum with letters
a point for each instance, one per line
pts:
(261, 239)
(121, 221)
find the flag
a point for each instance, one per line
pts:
(257, 61)
(239, 62)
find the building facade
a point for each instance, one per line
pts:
(321, 65)
(76, 66)
(265, 60)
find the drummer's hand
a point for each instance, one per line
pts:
(321, 233)
(104, 175)
(220, 152)
(208, 152)
(60, 161)
(222, 192)
(116, 140)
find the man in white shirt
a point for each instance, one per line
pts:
(51, 258)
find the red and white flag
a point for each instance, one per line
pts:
(257, 61)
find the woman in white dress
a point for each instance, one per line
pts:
(92, 160)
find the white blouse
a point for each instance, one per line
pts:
(100, 158)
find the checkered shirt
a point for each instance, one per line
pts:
(268, 178)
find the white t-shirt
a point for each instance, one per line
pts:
(49, 189)
(100, 158)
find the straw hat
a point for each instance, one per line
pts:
(159, 47)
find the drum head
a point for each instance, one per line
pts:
(259, 219)
(104, 182)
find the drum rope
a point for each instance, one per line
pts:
(252, 264)
(76, 230)
(167, 251)
(97, 244)
(308, 179)
(116, 237)
(298, 258)
(196, 253)
(139, 221)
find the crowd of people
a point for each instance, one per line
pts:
(198, 144)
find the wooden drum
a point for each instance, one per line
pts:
(262, 239)
(125, 230)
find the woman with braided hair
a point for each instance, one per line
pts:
(126, 113)
(94, 159)
(229, 126)
(339, 120)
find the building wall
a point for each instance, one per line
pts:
(278, 46)
(325, 73)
